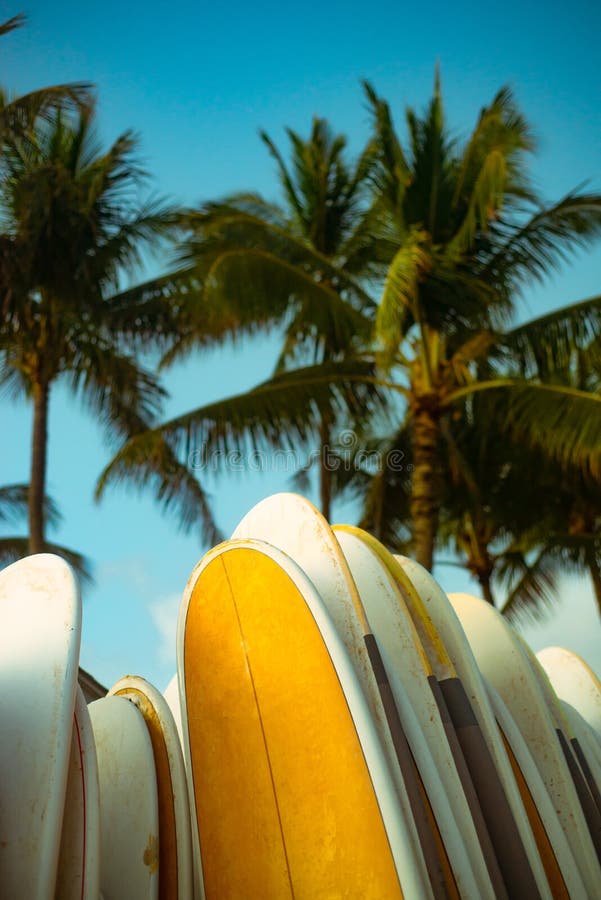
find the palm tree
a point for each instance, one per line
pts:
(14, 500)
(248, 264)
(310, 262)
(469, 234)
(70, 226)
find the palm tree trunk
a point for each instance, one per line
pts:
(425, 492)
(325, 475)
(37, 481)
(485, 584)
(593, 568)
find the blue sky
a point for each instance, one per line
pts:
(197, 81)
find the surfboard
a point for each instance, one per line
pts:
(129, 826)
(292, 795)
(78, 876)
(409, 673)
(586, 737)
(560, 866)
(296, 527)
(502, 660)
(575, 682)
(506, 860)
(454, 639)
(40, 631)
(171, 695)
(175, 841)
(585, 782)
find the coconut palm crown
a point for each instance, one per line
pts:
(472, 234)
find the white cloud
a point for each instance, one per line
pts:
(163, 613)
(132, 570)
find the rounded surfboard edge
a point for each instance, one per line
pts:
(575, 682)
(279, 741)
(129, 826)
(455, 640)
(502, 660)
(409, 672)
(78, 876)
(580, 764)
(175, 847)
(40, 633)
(508, 865)
(586, 738)
(171, 695)
(554, 849)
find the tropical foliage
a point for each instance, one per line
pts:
(71, 225)
(14, 500)
(305, 266)
(471, 234)
(465, 233)
(393, 281)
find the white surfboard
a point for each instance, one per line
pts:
(171, 695)
(129, 821)
(507, 861)
(575, 682)
(40, 631)
(560, 866)
(78, 876)
(502, 660)
(293, 525)
(175, 841)
(586, 738)
(291, 792)
(448, 627)
(587, 785)
(409, 670)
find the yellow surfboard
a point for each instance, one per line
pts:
(290, 791)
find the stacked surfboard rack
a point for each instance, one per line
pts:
(338, 727)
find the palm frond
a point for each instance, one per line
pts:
(11, 24)
(399, 304)
(532, 584)
(523, 253)
(148, 461)
(391, 174)
(496, 148)
(126, 397)
(18, 114)
(285, 177)
(283, 412)
(155, 312)
(262, 281)
(563, 422)
(548, 346)
(14, 499)
(220, 228)
(121, 251)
